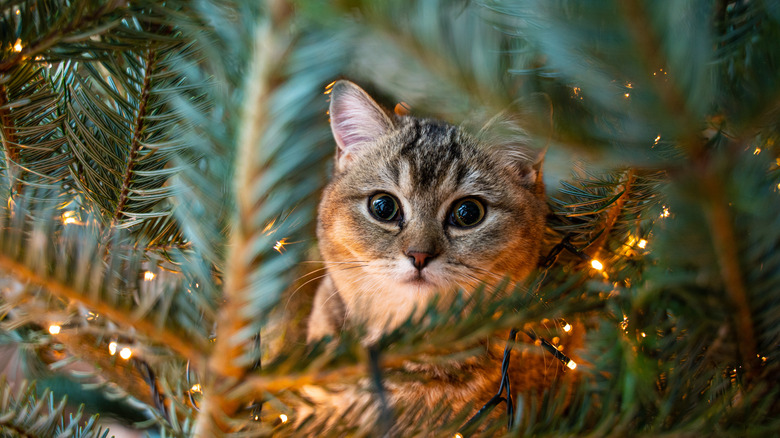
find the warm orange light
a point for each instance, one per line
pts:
(642, 243)
(18, 45)
(54, 329)
(280, 245)
(572, 365)
(597, 265)
(283, 418)
(125, 353)
(149, 276)
(112, 348)
(567, 327)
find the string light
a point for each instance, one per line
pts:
(572, 365)
(597, 265)
(643, 334)
(283, 418)
(18, 45)
(149, 276)
(626, 95)
(280, 245)
(665, 212)
(329, 87)
(642, 243)
(567, 327)
(457, 435)
(54, 329)
(196, 388)
(125, 353)
(657, 139)
(69, 217)
(112, 348)
(624, 323)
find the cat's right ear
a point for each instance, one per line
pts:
(356, 120)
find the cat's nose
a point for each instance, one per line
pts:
(419, 259)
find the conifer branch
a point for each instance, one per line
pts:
(58, 34)
(111, 369)
(189, 348)
(612, 215)
(726, 250)
(135, 143)
(227, 364)
(8, 137)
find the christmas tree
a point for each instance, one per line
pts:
(162, 163)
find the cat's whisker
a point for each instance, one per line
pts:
(292, 294)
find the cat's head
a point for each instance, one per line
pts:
(417, 207)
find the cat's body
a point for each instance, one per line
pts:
(415, 208)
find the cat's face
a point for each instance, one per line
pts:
(418, 207)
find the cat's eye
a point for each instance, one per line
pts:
(467, 212)
(384, 207)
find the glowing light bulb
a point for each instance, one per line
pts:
(644, 335)
(196, 388)
(280, 245)
(457, 435)
(69, 217)
(567, 327)
(112, 348)
(125, 353)
(626, 95)
(54, 329)
(329, 87)
(149, 276)
(642, 243)
(18, 45)
(597, 265)
(757, 151)
(572, 365)
(665, 212)
(283, 418)
(657, 139)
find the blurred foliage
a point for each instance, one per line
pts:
(161, 164)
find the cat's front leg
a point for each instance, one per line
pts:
(327, 314)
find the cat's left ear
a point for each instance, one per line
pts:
(526, 163)
(356, 121)
(513, 147)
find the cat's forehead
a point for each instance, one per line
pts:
(431, 156)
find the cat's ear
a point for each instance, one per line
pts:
(513, 147)
(356, 121)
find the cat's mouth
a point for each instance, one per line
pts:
(418, 278)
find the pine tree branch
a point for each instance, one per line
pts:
(190, 348)
(724, 239)
(111, 369)
(612, 216)
(11, 152)
(58, 34)
(226, 363)
(135, 143)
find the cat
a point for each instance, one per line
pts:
(418, 207)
